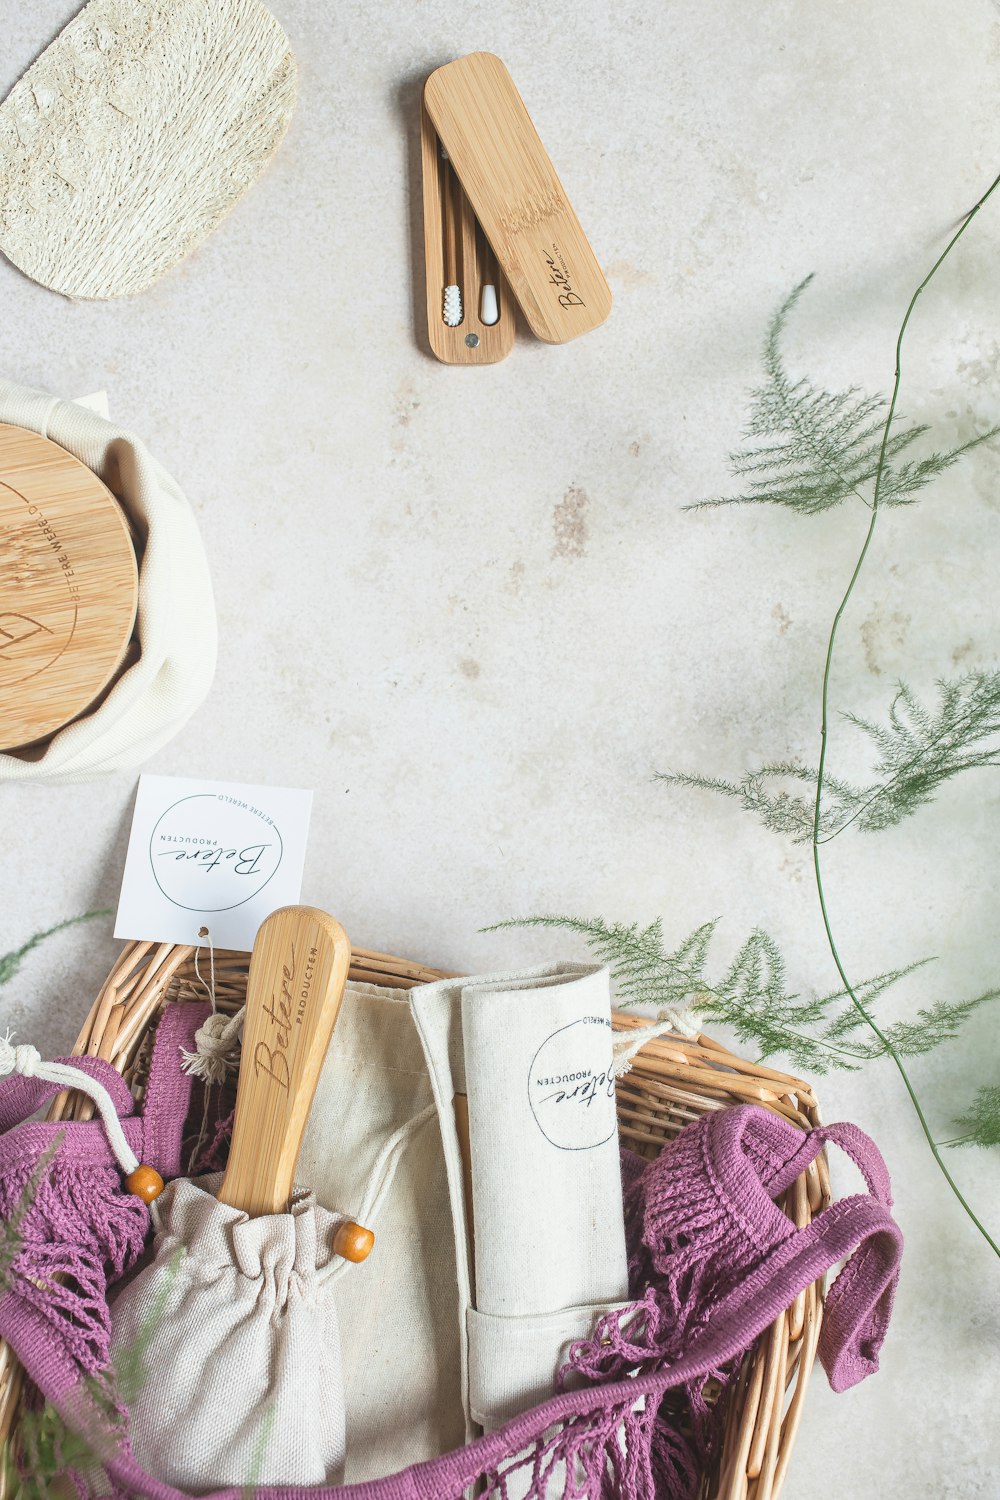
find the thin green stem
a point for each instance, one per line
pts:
(825, 719)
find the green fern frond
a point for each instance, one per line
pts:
(645, 973)
(916, 751)
(940, 1022)
(10, 963)
(765, 794)
(753, 996)
(810, 449)
(980, 1125)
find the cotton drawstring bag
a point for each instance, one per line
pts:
(241, 1376)
(372, 1153)
(175, 626)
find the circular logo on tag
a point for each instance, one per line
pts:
(211, 853)
(571, 1085)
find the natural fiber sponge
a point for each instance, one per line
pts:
(134, 132)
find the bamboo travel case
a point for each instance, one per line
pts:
(498, 225)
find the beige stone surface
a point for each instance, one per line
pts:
(469, 608)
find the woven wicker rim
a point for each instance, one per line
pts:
(672, 1081)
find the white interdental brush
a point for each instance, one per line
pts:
(452, 310)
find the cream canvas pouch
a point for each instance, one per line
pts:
(175, 627)
(237, 1335)
(532, 1054)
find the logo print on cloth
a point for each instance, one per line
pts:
(571, 1085)
(237, 856)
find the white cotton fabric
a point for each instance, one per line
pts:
(532, 1052)
(240, 1344)
(175, 624)
(136, 130)
(397, 1309)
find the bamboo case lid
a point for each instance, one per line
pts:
(518, 199)
(68, 587)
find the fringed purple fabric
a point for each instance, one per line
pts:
(75, 1227)
(713, 1261)
(60, 1272)
(703, 1228)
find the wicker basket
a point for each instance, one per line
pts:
(672, 1081)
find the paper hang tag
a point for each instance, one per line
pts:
(209, 860)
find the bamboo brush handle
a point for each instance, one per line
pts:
(298, 970)
(450, 221)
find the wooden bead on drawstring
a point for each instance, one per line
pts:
(353, 1241)
(145, 1182)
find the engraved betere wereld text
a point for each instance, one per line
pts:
(285, 1010)
(559, 278)
(51, 537)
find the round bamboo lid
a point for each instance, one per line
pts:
(68, 587)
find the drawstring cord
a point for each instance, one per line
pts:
(217, 1047)
(380, 1181)
(627, 1043)
(27, 1061)
(145, 1182)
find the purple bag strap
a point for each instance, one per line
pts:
(155, 1137)
(859, 1303)
(853, 1142)
(21, 1097)
(168, 1088)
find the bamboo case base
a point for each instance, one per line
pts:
(471, 342)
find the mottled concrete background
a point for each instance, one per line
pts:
(468, 608)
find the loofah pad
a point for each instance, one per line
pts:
(134, 133)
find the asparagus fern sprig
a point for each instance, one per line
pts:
(10, 963)
(810, 449)
(752, 995)
(916, 751)
(980, 1125)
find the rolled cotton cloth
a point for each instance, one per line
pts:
(234, 1330)
(175, 625)
(532, 1054)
